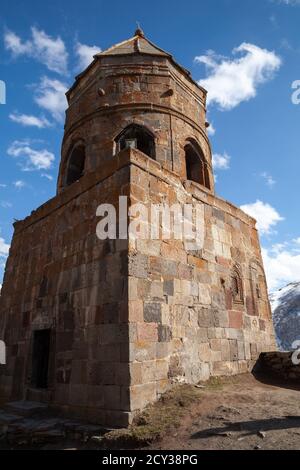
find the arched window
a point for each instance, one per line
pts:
(259, 292)
(138, 137)
(196, 167)
(75, 166)
(258, 281)
(237, 285)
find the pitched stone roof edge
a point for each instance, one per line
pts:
(97, 56)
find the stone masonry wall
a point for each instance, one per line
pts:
(60, 276)
(128, 319)
(188, 326)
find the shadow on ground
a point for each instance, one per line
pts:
(267, 377)
(252, 427)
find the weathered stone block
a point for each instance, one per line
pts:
(204, 294)
(141, 395)
(162, 350)
(235, 319)
(138, 265)
(168, 288)
(204, 352)
(152, 312)
(233, 344)
(95, 396)
(147, 332)
(220, 318)
(135, 311)
(156, 290)
(164, 333)
(215, 344)
(176, 368)
(241, 350)
(225, 350)
(205, 317)
(112, 397)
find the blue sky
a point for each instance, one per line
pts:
(247, 53)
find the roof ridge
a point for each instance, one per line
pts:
(116, 45)
(156, 47)
(140, 44)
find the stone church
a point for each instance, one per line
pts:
(99, 328)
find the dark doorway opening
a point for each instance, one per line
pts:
(40, 358)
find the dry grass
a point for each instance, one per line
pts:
(161, 417)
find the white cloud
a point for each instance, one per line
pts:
(50, 95)
(2, 185)
(211, 129)
(288, 2)
(268, 179)
(45, 49)
(32, 159)
(267, 217)
(232, 81)
(221, 161)
(5, 204)
(45, 175)
(13, 43)
(282, 265)
(85, 54)
(28, 120)
(19, 184)
(4, 248)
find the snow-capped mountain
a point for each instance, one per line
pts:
(285, 304)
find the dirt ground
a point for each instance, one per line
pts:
(244, 413)
(241, 413)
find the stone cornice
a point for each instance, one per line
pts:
(126, 158)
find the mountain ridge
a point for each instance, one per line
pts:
(285, 304)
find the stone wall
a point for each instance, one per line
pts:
(280, 364)
(60, 276)
(128, 319)
(188, 325)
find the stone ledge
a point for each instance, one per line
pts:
(125, 158)
(75, 190)
(194, 189)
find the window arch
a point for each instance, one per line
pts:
(75, 164)
(196, 166)
(259, 304)
(237, 285)
(258, 283)
(138, 137)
